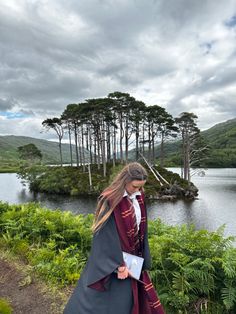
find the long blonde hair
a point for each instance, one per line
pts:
(113, 194)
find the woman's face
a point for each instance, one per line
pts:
(134, 186)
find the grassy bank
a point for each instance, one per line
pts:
(193, 271)
(8, 168)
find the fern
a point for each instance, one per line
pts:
(229, 263)
(229, 296)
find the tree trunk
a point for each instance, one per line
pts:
(99, 149)
(162, 151)
(76, 145)
(108, 141)
(137, 140)
(90, 147)
(143, 138)
(60, 151)
(87, 137)
(80, 149)
(95, 150)
(153, 144)
(121, 138)
(103, 147)
(83, 148)
(114, 146)
(149, 142)
(188, 159)
(69, 131)
(126, 140)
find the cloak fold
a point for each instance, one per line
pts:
(98, 290)
(105, 257)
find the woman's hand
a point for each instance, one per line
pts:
(123, 272)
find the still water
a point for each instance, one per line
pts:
(215, 206)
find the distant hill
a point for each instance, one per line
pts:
(222, 135)
(50, 150)
(222, 140)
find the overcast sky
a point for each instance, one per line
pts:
(179, 54)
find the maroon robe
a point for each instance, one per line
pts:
(132, 241)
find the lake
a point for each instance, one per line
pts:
(216, 204)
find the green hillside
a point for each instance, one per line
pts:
(50, 150)
(221, 138)
(222, 135)
(222, 141)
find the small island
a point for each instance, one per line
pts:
(77, 182)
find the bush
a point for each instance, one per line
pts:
(193, 268)
(61, 267)
(5, 307)
(57, 244)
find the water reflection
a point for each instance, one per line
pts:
(214, 207)
(13, 192)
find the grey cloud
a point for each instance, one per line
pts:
(61, 52)
(224, 103)
(222, 78)
(7, 104)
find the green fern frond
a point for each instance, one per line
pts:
(229, 296)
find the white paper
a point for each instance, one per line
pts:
(134, 264)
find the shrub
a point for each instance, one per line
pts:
(193, 268)
(5, 307)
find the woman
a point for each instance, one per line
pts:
(106, 286)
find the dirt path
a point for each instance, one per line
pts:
(26, 295)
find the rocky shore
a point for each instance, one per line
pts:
(175, 191)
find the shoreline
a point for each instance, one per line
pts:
(5, 169)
